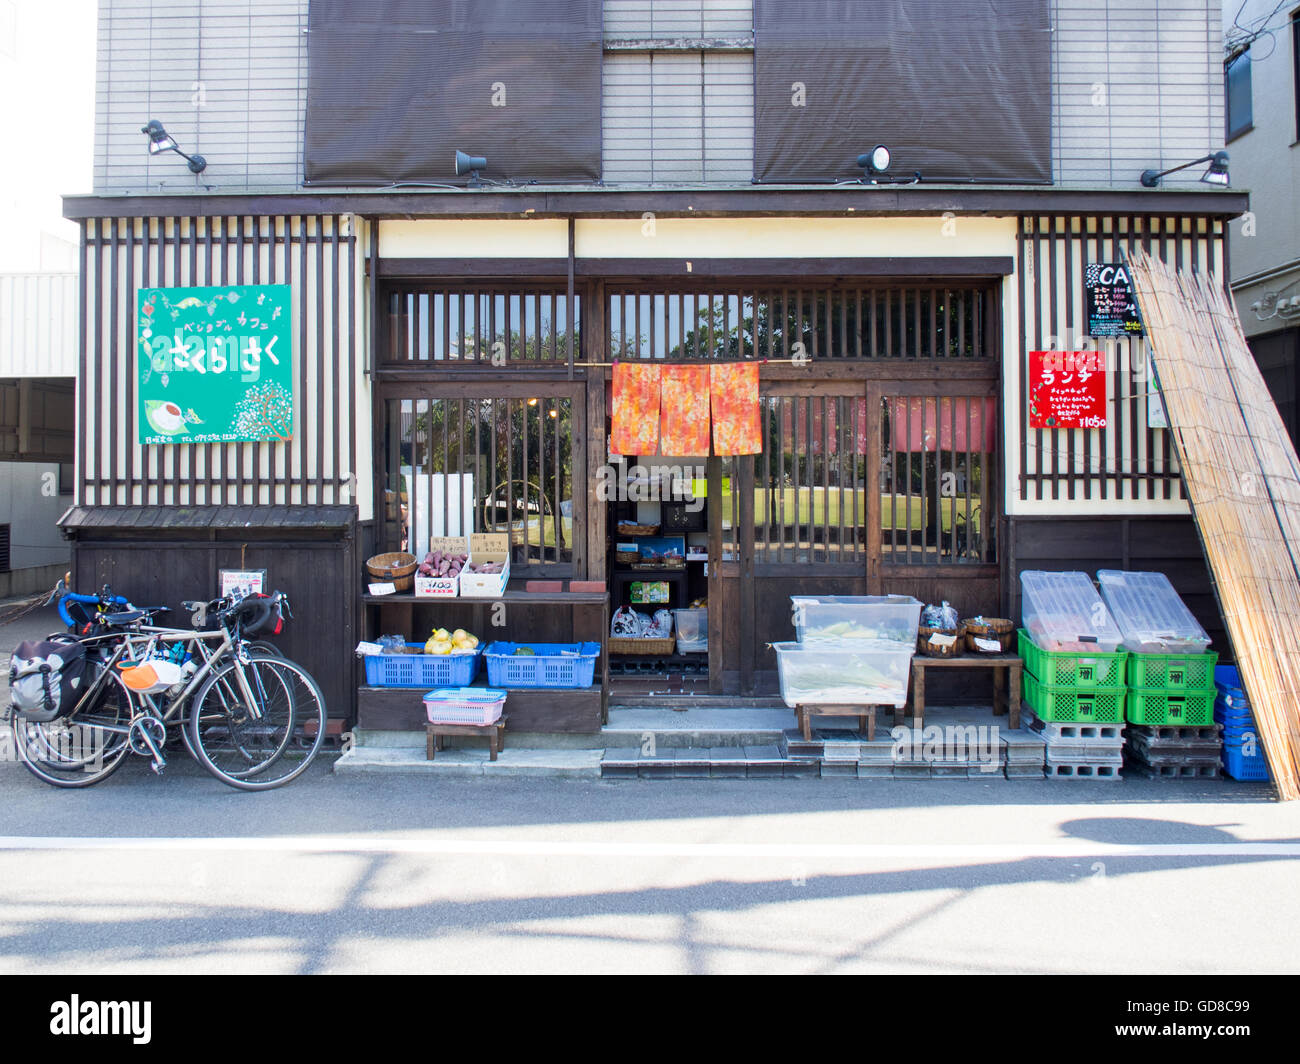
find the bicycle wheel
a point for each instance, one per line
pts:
(76, 751)
(258, 752)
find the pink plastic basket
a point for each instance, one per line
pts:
(464, 705)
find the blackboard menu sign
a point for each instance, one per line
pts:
(1112, 306)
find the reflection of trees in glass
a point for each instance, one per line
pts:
(519, 452)
(834, 323)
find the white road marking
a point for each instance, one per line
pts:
(1066, 848)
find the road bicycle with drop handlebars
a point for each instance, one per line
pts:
(252, 718)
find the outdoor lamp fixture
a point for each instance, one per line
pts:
(470, 164)
(160, 141)
(1217, 174)
(876, 162)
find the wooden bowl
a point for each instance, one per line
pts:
(932, 650)
(397, 568)
(998, 628)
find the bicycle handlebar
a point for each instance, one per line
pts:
(90, 600)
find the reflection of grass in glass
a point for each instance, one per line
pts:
(896, 511)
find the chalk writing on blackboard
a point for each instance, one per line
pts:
(1112, 305)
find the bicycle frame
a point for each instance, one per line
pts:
(137, 645)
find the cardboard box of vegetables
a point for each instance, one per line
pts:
(438, 575)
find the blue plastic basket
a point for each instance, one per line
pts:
(1242, 767)
(1227, 681)
(421, 670)
(549, 664)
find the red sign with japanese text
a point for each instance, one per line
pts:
(1067, 390)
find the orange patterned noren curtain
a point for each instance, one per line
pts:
(737, 425)
(684, 411)
(635, 414)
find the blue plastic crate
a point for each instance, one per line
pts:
(549, 664)
(1227, 681)
(1242, 767)
(421, 670)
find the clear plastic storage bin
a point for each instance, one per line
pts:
(1062, 611)
(894, 618)
(856, 673)
(1150, 615)
(692, 630)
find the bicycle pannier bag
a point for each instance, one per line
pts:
(45, 679)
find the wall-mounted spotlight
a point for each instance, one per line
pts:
(876, 161)
(160, 141)
(1217, 174)
(470, 164)
(875, 165)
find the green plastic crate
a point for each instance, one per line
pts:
(1070, 668)
(1193, 708)
(1172, 672)
(1074, 705)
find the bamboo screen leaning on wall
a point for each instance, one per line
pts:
(1243, 480)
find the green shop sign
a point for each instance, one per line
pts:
(215, 365)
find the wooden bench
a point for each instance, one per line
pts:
(1008, 670)
(866, 715)
(495, 733)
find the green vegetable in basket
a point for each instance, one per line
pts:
(523, 652)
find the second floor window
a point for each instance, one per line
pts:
(1240, 114)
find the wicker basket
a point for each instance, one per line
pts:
(396, 568)
(999, 628)
(673, 562)
(933, 650)
(627, 528)
(660, 648)
(626, 557)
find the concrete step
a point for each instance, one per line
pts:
(472, 761)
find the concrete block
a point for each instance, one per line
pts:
(875, 772)
(838, 768)
(1082, 771)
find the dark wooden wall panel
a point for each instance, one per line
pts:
(1168, 545)
(318, 576)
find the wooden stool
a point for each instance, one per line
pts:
(1007, 672)
(495, 733)
(866, 715)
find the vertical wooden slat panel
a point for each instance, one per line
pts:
(108, 395)
(85, 496)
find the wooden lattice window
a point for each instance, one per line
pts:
(921, 322)
(491, 325)
(462, 464)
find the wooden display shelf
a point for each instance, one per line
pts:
(584, 615)
(564, 710)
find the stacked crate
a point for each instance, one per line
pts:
(1243, 755)
(1075, 702)
(1170, 703)
(1172, 733)
(1074, 675)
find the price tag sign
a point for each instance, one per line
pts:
(1067, 390)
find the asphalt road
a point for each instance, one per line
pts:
(412, 874)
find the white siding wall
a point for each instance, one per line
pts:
(1136, 84)
(228, 78)
(38, 324)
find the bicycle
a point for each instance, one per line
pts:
(254, 720)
